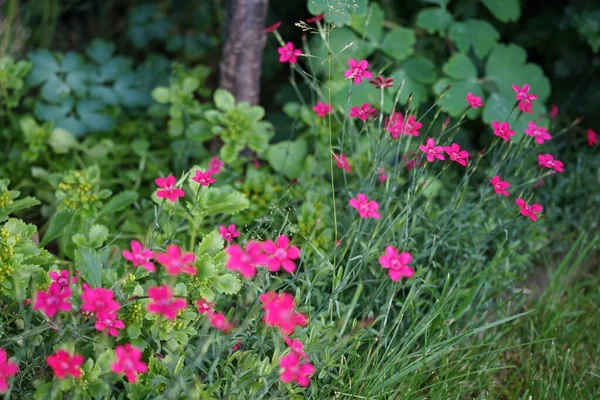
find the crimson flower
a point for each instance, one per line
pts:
(502, 129)
(432, 151)
(175, 262)
(456, 154)
(499, 185)
(295, 370)
(107, 321)
(203, 178)
(548, 161)
(397, 264)
(342, 162)
(358, 70)
(162, 302)
(397, 125)
(139, 256)
(246, 260)
(61, 279)
(219, 321)
(64, 364)
(7, 370)
(53, 301)
(215, 165)
(529, 211)
(322, 109)
(288, 53)
(538, 132)
(380, 82)
(553, 112)
(280, 313)
(381, 175)
(272, 28)
(365, 207)
(280, 254)
(592, 137)
(204, 306)
(363, 112)
(474, 101)
(98, 300)
(296, 346)
(129, 362)
(228, 233)
(524, 98)
(168, 189)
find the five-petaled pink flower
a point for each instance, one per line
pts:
(163, 303)
(397, 264)
(365, 207)
(98, 300)
(538, 132)
(295, 370)
(524, 98)
(363, 112)
(548, 161)
(129, 362)
(175, 262)
(499, 185)
(316, 18)
(272, 28)
(64, 364)
(204, 306)
(502, 129)
(219, 321)
(296, 346)
(139, 256)
(432, 151)
(381, 175)
(397, 125)
(456, 154)
(61, 279)
(474, 101)
(358, 70)
(215, 165)
(228, 233)
(592, 137)
(53, 301)
(7, 370)
(280, 254)
(380, 82)
(322, 109)
(280, 313)
(203, 178)
(529, 211)
(287, 53)
(246, 260)
(107, 321)
(342, 162)
(168, 189)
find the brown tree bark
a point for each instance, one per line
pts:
(242, 53)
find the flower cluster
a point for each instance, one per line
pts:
(269, 254)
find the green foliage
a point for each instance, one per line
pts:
(12, 77)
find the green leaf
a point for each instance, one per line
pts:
(369, 25)
(223, 200)
(420, 69)
(61, 141)
(418, 90)
(98, 235)
(100, 51)
(211, 244)
(119, 202)
(504, 10)
(91, 115)
(228, 284)
(287, 157)
(475, 33)
(229, 152)
(89, 262)
(398, 43)
(57, 224)
(454, 101)
(344, 44)
(434, 19)
(55, 90)
(460, 67)
(161, 95)
(224, 100)
(338, 12)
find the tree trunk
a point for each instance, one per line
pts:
(242, 53)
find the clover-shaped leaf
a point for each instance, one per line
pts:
(475, 33)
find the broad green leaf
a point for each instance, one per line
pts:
(370, 24)
(228, 284)
(50, 112)
(434, 19)
(98, 235)
(460, 67)
(89, 263)
(420, 69)
(57, 224)
(55, 90)
(224, 100)
(418, 90)
(344, 44)
(338, 12)
(119, 202)
(287, 157)
(475, 33)
(224, 200)
(91, 115)
(211, 243)
(504, 10)
(100, 51)
(61, 141)
(161, 95)
(398, 43)
(454, 101)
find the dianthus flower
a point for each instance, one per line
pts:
(107, 321)
(175, 262)
(365, 207)
(502, 129)
(358, 70)
(380, 82)
(432, 151)
(204, 306)
(203, 178)
(529, 211)
(246, 260)
(322, 109)
(219, 321)
(228, 233)
(538, 132)
(363, 112)
(129, 362)
(548, 161)
(280, 254)
(342, 162)
(215, 165)
(396, 125)
(524, 98)
(288, 53)
(163, 303)
(139, 256)
(474, 101)
(7, 370)
(53, 301)
(295, 370)
(456, 154)
(168, 189)
(499, 185)
(397, 264)
(64, 364)
(280, 313)
(592, 137)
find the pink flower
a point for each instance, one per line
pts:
(139, 256)
(592, 137)
(397, 264)
(215, 165)
(287, 53)
(474, 101)
(553, 112)
(456, 154)
(365, 207)
(272, 28)
(538, 132)
(61, 279)
(316, 18)
(296, 346)
(175, 262)
(381, 175)
(433, 152)
(98, 300)
(280, 254)
(279, 312)
(236, 346)
(529, 211)
(64, 365)
(219, 321)
(502, 129)
(203, 178)
(294, 370)
(363, 112)
(107, 321)
(380, 82)
(548, 161)
(163, 303)
(168, 189)
(245, 261)
(204, 306)
(53, 301)
(499, 185)
(524, 98)
(397, 125)
(228, 233)
(358, 70)
(7, 370)
(322, 109)
(342, 162)
(129, 362)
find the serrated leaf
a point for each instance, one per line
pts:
(398, 43)
(89, 263)
(211, 244)
(98, 235)
(57, 225)
(434, 19)
(504, 10)
(227, 284)
(222, 200)
(475, 33)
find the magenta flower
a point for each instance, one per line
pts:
(139, 256)
(548, 161)
(342, 162)
(98, 300)
(553, 112)
(502, 129)
(64, 365)
(53, 301)
(163, 303)
(358, 70)
(474, 101)
(204, 306)
(396, 125)
(524, 98)
(538, 132)
(592, 137)
(381, 175)
(456, 154)
(322, 109)
(363, 112)
(219, 321)
(7, 370)
(168, 189)
(432, 151)
(381, 83)
(499, 185)
(61, 279)
(316, 18)
(107, 321)
(203, 178)
(529, 211)
(215, 165)
(129, 362)
(296, 346)
(228, 233)
(246, 260)
(280, 313)
(175, 262)
(287, 53)
(365, 207)
(272, 28)
(280, 254)
(397, 264)
(294, 370)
